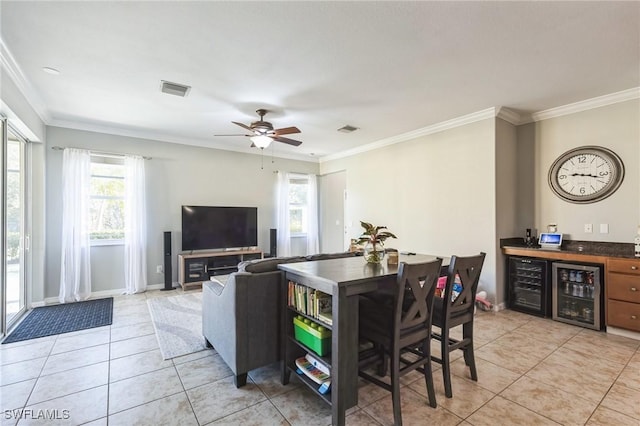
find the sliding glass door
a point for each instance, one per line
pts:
(13, 228)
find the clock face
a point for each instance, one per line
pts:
(586, 175)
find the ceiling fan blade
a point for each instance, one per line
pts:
(286, 131)
(235, 135)
(287, 141)
(243, 126)
(253, 145)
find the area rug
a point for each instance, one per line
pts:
(178, 324)
(64, 318)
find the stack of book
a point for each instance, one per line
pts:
(311, 302)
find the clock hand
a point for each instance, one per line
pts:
(582, 174)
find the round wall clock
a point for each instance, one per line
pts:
(586, 174)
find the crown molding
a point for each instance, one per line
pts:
(509, 115)
(158, 137)
(600, 101)
(13, 70)
(435, 128)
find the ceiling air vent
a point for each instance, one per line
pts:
(174, 88)
(347, 129)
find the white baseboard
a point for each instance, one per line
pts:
(499, 307)
(94, 295)
(624, 333)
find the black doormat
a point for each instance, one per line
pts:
(64, 318)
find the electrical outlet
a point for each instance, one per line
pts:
(159, 269)
(604, 228)
(588, 228)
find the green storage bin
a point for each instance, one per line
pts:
(316, 338)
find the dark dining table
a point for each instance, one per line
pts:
(344, 279)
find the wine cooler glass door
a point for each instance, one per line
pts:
(577, 294)
(527, 285)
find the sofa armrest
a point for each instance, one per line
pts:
(216, 286)
(220, 319)
(241, 319)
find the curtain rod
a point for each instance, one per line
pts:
(61, 148)
(294, 173)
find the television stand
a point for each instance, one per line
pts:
(196, 268)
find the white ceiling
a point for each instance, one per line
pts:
(385, 67)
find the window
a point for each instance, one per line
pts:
(298, 206)
(106, 206)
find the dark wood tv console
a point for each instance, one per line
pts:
(196, 268)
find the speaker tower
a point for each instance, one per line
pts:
(168, 271)
(273, 243)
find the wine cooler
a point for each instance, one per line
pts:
(528, 286)
(577, 294)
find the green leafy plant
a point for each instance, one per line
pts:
(374, 235)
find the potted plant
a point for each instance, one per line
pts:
(373, 237)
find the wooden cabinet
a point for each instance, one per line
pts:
(194, 269)
(623, 293)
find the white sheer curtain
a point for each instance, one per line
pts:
(135, 223)
(284, 233)
(313, 246)
(75, 265)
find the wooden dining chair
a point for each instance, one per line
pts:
(398, 325)
(454, 308)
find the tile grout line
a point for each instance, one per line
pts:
(520, 377)
(552, 385)
(24, 406)
(184, 390)
(109, 368)
(272, 403)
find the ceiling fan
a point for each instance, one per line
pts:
(263, 133)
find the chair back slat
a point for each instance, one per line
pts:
(416, 286)
(464, 271)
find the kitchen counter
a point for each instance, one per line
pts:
(581, 251)
(621, 275)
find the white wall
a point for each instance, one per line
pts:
(176, 175)
(616, 127)
(507, 221)
(436, 193)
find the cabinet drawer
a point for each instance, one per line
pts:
(623, 287)
(626, 266)
(623, 314)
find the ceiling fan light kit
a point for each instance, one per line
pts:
(263, 133)
(261, 141)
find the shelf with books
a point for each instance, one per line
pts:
(310, 302)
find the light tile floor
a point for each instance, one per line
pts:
(531, 371)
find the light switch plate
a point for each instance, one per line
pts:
(588, 228)
(604, 228)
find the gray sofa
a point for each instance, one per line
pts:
(241, 319)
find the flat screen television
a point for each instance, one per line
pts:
(205, 227)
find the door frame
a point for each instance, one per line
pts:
(25, 224)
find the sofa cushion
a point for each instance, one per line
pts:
(267, 265)
(325, 256)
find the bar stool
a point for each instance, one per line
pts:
(454, 308)
(397, 324)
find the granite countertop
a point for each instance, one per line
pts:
(593, 248)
